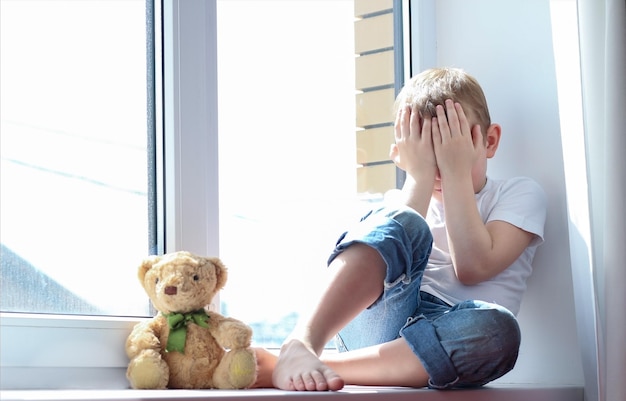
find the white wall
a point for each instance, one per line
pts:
(507, 46)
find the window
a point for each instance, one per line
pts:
(287, 153)
(303, 158)
(74, 151)
(290, 139)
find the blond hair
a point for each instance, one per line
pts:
(433, 86)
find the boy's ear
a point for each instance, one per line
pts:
(492, 139)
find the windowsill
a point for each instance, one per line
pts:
(42, 352)
(492, 392)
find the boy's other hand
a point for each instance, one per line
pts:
(413, 150)
(457, 146)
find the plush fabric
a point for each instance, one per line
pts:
(185, 345)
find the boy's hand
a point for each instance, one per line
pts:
(457, 146)
(413, 150)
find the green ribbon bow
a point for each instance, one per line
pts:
(178, 328)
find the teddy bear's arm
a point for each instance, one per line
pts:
(145, 335)
(228, 332)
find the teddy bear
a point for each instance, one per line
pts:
(186, 345)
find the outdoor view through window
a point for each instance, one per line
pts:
(287, 153)
(74, 210)
(74, 174)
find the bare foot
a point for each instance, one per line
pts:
(298, 368)
(265, 363)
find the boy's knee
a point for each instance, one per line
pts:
(400, 235)
(415, 228)
(502, 333)
(409, 219)
(491, 342)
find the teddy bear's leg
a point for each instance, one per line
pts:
(148, 371)
(237, 370)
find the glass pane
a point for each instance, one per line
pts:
(74, 209)
(287, 153)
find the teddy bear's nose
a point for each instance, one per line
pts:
(171, 290)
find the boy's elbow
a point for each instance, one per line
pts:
(469, 276)
(468, 279)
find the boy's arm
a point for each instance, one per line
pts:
(479, 251)
(413, 152)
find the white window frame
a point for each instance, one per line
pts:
(65, 352)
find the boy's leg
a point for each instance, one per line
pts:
(379, 265)
(404, 242)
(388, 364)
(472, 344)
(359, 272)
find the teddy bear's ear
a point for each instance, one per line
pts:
(220, 272)
(145, 266)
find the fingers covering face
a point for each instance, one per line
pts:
(405, 122)
(409, 122)
(449, 120)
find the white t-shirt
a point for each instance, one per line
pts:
(517, 201)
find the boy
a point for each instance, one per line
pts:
(425, 301)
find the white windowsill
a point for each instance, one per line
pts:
(493, 392)
(84, 359)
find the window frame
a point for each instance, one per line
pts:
(71, 351)
(59, 351)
